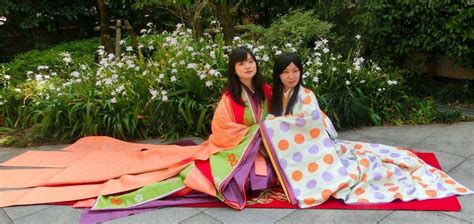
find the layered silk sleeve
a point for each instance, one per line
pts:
(226, 132)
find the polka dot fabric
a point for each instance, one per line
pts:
(306, 154)
(313, 166)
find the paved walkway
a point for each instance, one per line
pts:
(453, 145)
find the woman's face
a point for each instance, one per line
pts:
(246, 69)
(290, 76)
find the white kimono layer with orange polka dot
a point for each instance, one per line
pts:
(312, 165)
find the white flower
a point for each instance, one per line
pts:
(113, 100)
(120, 64)
(182, 62)
(362, 81)
(140, 46)
(29, 73)
(278, 52)
(161, 75)
(173, 78)
(192, 66)
(120, 88)
(151, 47)
(67, 60)
(319, 71)
(212, 54)
(38, 77)
(334, 69)
(164, 98)
(349, 71)
(54, 73)
(358, 37)
(392, 82)
(236, 38)
(138, 198)
(129, 48)
(1, 102)
(43, 67)
(75, 74)
(174, 71)
(209, 83)
(143, 31)
(189, 48)
(317, 44)
(104, 62)
(122, 42)
(111, 56)
(83, 67)
(293, 49)
(214, 72)
(265, 58)
(316, 79)
(325, 41)
(7, 77)
(108, 81)
(3, 19)
(325, 50)
(202, 75)
(164, 92)
(153, 93)
(347, 82)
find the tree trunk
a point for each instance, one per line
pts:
(223, 15)
(105, 38)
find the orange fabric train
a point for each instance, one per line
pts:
(96, 166)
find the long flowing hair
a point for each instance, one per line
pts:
(234, 86)
(281, 62)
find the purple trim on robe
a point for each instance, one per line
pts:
(252, 102)
(88, 216)
(278, 169)
(233, 187)
(258, 182)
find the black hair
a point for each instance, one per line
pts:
(234, 86)
(281, 62)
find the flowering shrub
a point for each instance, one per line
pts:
(174, 91)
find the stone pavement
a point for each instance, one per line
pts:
(453, 145)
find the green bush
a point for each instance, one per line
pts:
(395, 29)
(297, 27)
(174, 91)
(83, 52)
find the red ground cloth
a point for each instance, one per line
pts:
(445, 204)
